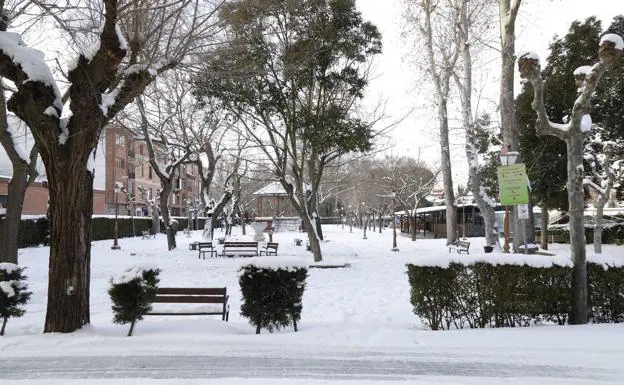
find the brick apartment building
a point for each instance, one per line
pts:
(122, 159)
(127, 165)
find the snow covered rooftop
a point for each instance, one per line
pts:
(273, 188)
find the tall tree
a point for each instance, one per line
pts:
(508, 13)
(573, 134)
(297, 69)
(104, 78)
(23, 160)
(436, 22)
(470, 29)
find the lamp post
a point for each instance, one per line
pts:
(507, 158)
(115, 245)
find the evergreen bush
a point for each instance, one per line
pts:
(479, 295)
(272, 296)
(13, 292)
(132, 295)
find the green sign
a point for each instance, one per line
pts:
(512, 184)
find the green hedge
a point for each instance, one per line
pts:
(610, 235)
(272, 297)
(35, 232)
(484, 295)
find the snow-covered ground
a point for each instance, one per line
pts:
(357, 325)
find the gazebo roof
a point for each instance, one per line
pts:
(273, 188)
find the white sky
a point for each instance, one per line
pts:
(396, 79)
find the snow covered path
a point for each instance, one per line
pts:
(387, 368)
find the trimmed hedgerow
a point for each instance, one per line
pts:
(35, 232)
(272, 296)
(480, 294)
(14, 293)
(132, 295)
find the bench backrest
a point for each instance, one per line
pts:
(272, 245)
(190, 295)
(463, 243)
(240, 244)
(204, 245)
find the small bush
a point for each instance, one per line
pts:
(272, 297)
(13, 292)
(132, 295)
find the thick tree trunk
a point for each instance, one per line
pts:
(9, 225)
(71, 207)
(313, 239)
(544, 227)
(508, 11)
(447, 174)
(412, 220)
(576, 201)
(155, 219)
(598, 223)
(167, 187)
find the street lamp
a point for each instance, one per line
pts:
(507, 158)
(115, 245)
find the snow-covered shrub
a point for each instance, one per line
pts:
(132, 294)
(13, 292)
(272, 296)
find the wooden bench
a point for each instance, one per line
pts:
(206, 247)
(196, 295)
(460, 246)
(146, 234)
(270, 248)
(240, 248)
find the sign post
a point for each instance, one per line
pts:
(512, 185)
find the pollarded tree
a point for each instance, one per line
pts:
(104, 78)
(573, 134)
(297, 70)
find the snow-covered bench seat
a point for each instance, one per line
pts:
(206, 301)
(460, 245)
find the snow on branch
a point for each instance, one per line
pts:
(132, 84)
(587, 80)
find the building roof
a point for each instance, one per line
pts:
(273, 188)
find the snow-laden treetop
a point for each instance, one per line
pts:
(615, 39)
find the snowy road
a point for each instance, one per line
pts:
(167, 367)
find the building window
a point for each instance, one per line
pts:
(120, 163)
(4, 200)
(150, 171)
(141, 150)
(120, 140)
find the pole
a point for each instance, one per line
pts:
(524, 234)
(506, 230)
(115, 245)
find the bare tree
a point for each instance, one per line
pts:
(105, 77)
(23, 160)
(471, 22)
(607, 169)
(508, 13)
(410, 180)
(435, 21)
(573, 134)
(167, 170)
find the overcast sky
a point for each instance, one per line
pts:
(396, 82)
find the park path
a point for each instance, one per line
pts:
(349, 367)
